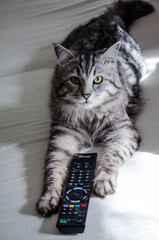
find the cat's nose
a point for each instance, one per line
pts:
(86, 96)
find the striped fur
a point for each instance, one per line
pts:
(85, 113)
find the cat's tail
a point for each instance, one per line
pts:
(129, 11)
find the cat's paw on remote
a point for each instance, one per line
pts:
(48, 204)
(104, 184)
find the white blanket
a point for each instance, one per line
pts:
(27, 30)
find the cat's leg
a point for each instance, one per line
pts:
(120, 144)
(62, 145)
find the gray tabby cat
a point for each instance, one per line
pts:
(95, 90)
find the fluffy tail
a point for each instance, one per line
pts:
(129, 11)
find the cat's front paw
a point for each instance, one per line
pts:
(104, 184)
(48, 204)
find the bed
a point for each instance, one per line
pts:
(27, 60)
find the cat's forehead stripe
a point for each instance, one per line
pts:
(86, 63)
(92, 64)
(81, 65)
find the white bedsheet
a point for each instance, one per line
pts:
(27, 30)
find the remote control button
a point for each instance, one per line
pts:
(65, 205)
(85, 198)
(75, 201)
(79, 221)
(71, 206)
(69, 214)
(77, 194)
(63, 213)
(77, 206)
(81, 184)
(62, 221)
(68, 219)
(83, 205)
(75, 213)
(87, 181)
(70, 184)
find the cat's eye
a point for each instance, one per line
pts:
(75, 80)
(98, 80)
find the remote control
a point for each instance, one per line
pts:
(74, 204)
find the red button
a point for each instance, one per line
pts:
(83, 205)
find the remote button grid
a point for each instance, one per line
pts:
(73, 210)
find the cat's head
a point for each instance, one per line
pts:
(87, 79)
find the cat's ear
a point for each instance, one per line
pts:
(62, 53)
(111, 53)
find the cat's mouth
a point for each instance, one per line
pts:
(86, 102)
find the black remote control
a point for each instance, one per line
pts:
(74, 205)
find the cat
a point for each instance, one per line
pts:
(95, 92)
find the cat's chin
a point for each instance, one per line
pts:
(84, 105)
(87, 105)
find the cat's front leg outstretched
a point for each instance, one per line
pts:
(62, 145)
(122, 143)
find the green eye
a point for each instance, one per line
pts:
(75, 80)
(98, 80)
